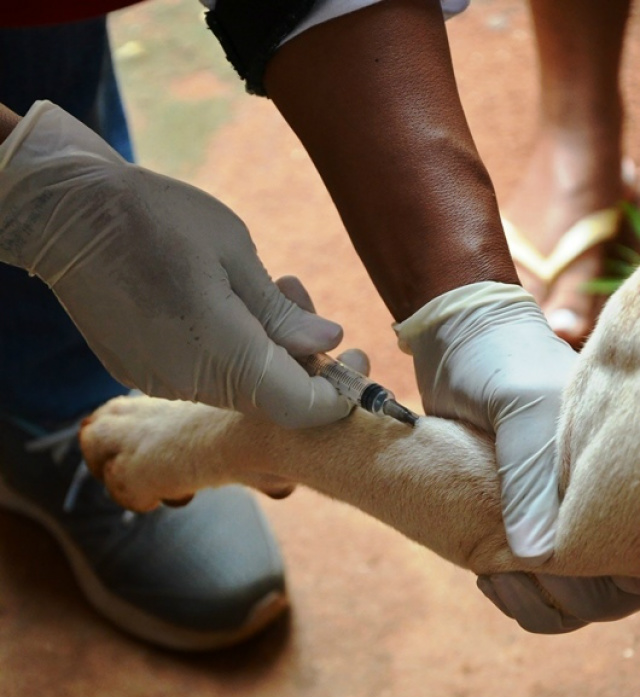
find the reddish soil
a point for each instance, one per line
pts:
(373, 614)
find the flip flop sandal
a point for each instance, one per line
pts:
(596, 228)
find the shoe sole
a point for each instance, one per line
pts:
(130, 618)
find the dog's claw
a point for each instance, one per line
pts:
(178, 503)
(282, 493)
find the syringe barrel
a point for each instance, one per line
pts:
(351, 384)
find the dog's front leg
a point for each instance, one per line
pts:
(436, 483)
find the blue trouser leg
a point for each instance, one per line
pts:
(47, 372)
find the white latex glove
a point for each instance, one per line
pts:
(485, 354)
(162, 279)
(582, 600)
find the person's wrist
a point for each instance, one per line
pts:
(468, 299)
(42, 161)
(14, 195)
(16, 129)
(457, 257)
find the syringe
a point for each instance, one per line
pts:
(358, 388)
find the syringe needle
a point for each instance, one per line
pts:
(400, 413)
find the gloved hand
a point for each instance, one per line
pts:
(546, 604)
(162, 279)
(485, 354)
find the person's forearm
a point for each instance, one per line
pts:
(372, 97)
(8, 121)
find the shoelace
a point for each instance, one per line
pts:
(59, 443)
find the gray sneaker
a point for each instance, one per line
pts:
(202, 577)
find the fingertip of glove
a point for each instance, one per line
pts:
(627, 584)
(532, 559)
(315, 335)
(531, 539)
(531, 545)
(485, 586)
(518, 597)
(357, 360)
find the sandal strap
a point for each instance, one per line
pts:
(588, 232)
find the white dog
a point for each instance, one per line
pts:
(436, 483)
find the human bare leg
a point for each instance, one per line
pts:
(575, 167)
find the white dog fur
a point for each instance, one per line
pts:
(436, 483)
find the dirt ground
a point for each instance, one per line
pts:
(373, 614)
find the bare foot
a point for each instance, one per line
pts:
(564, 182)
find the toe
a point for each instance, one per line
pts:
(572, 310)
(117, 481)
(97, 449)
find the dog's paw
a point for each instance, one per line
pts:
(131, 445)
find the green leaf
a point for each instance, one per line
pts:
(632, 214)
(627, 261)
(619, 269)
(629, 255)
(602, 286)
